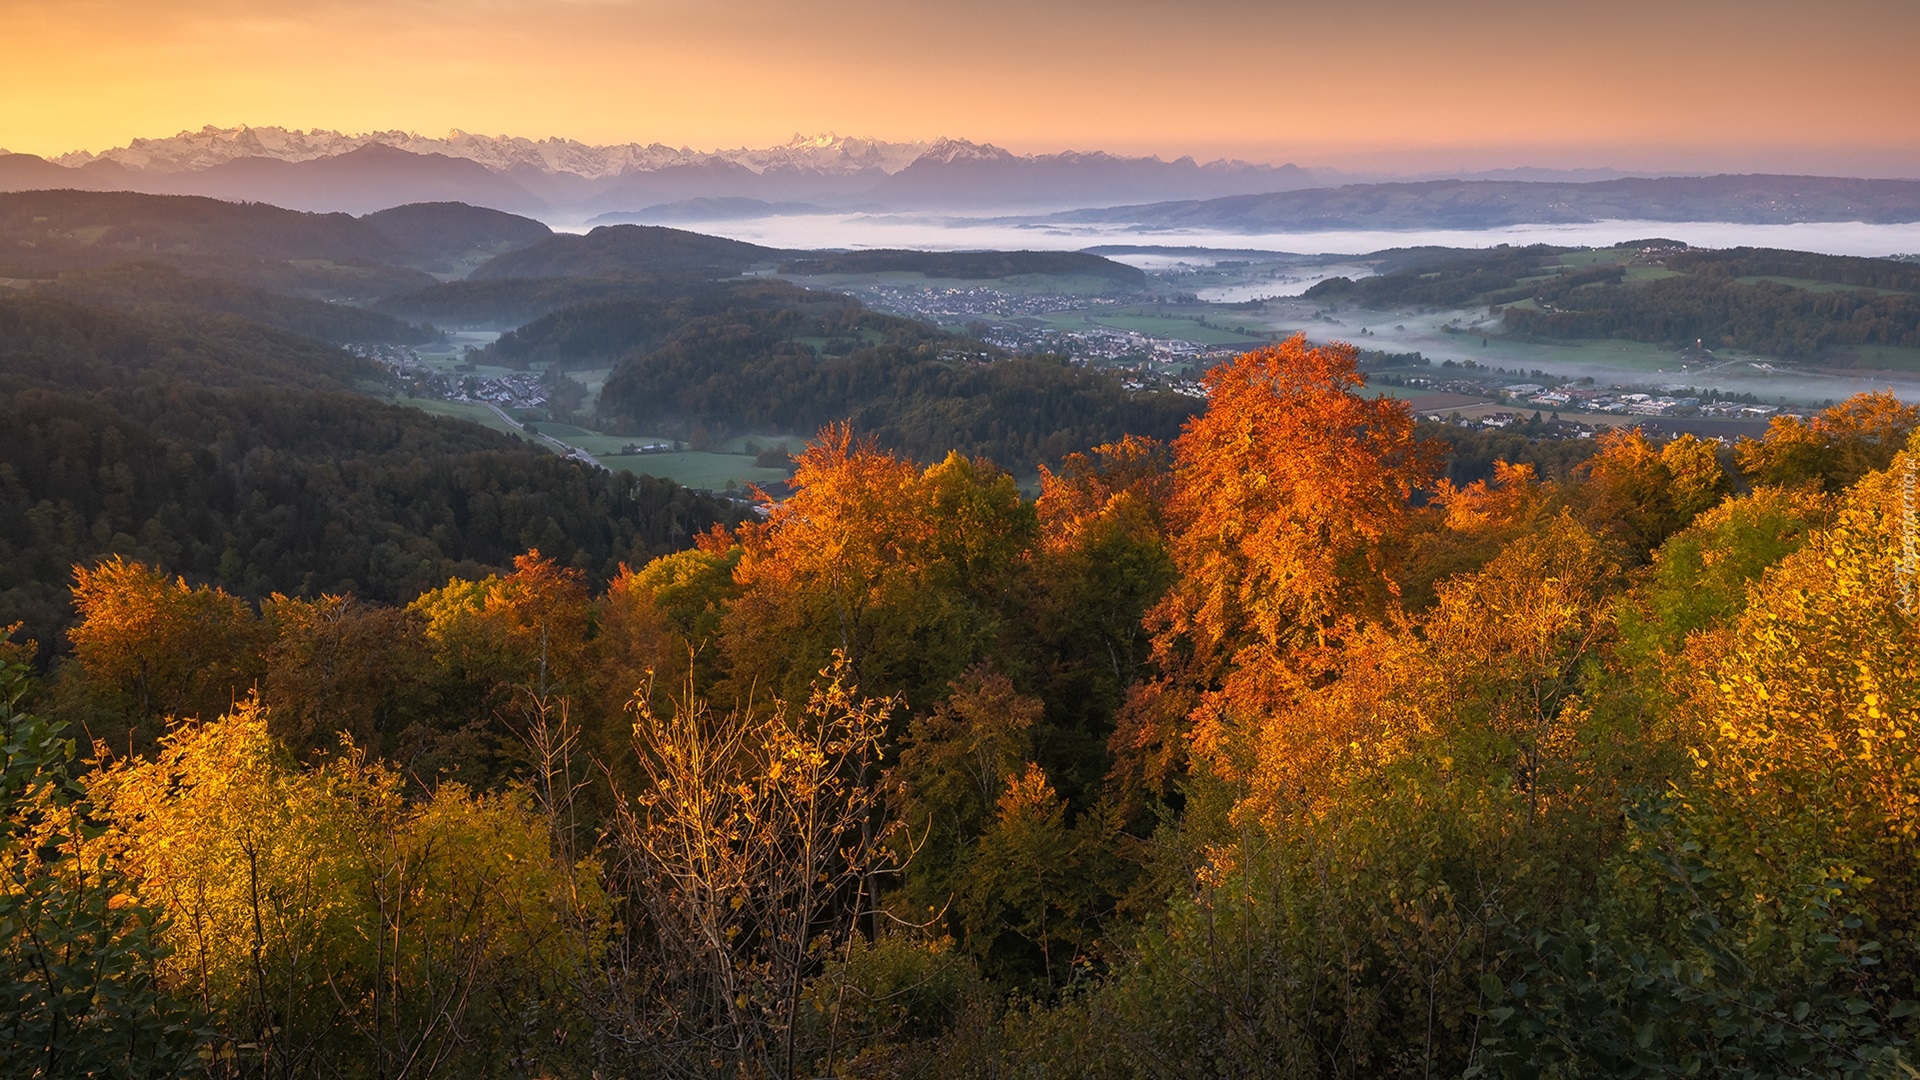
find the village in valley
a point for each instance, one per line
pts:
(1161, 338)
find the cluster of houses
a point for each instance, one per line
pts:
(1632, 403)
(1017, 327)
(511, 390)
(1558, 427)
(1739, 410)
(398, 357)
(978, 302)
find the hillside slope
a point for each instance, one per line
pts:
(238, 454)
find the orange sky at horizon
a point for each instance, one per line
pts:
(1380, 84)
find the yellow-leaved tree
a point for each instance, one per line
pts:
(320, 918)
(1834, 447)
(1807, 714)
(750, 852)
(1482, 690)
(527, 628)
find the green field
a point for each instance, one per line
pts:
(695, 469)
(566, 433)
(1404, 393)
(1876, 358)
(1811, 285)
(479, 414)
(710, 469)
(1598, 257)
(1183, 329)
(1160, 326)
(1019, 285)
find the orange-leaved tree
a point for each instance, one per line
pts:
(1288, 493)
(528, 628)
(903, 571)
(819, 573)
(163, 646)
(1646, 493)
(1835, 447)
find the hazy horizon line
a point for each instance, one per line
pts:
(1369, 161)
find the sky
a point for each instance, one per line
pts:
(1388, 85)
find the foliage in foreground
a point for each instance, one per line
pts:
(1269, 752)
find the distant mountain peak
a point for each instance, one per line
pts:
(564, 176)
(190, 151)
(946, 151)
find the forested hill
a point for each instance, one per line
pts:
(159, 289)
(615, 250)
(239, 454)
(507, 303)
(325, 256)
(1485, 204)
(748, 371)
(60, 227)
(614, 318)
(1788, 304)
(441, 230)
(48, 342)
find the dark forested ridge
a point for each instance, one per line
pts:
(451, 228)
(46, 227)
(241, 454)
(632, 314)
(1711, 306)
(1440, 279)
(50, 341)
(1845, 270)
(507, 303)
(615, 250)
(1790, 304)
(158, 289)
(327, 256)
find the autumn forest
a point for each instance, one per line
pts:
(1275, 749)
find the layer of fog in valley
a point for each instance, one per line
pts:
(945, 233)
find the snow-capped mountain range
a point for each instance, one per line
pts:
(210, 146)
(567, 180)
